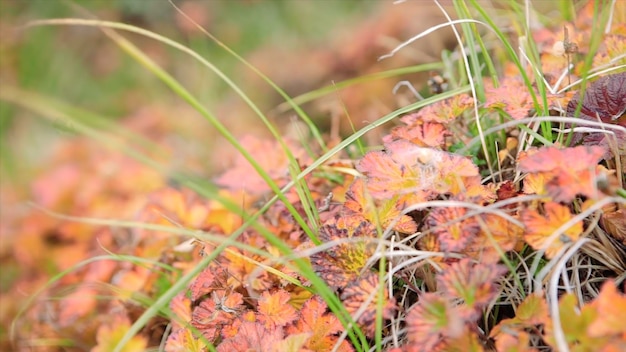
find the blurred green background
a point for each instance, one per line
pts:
(80, 66)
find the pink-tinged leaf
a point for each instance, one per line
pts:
(274, 309)
(432, 321)
(252, 336)
(452, 233)
(423, 134)
(474, 283)
(563, 179)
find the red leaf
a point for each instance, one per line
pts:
(604, 99)
(212, 314)
(270, 157)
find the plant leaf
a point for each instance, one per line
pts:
(274, 309)
(432, 321)
(564, 179)
(355, 296)
(474, 283)
(611, 308)
(540, 228)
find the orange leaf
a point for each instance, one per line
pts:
(388, 212)
(112, 332)
(321, 326)
(423, 134)
(182, 340)
(510, 334)
(274, 309)
(611, 308)
(575, 322)
(540, 228)
(506, 233)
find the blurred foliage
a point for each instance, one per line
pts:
(81, 66)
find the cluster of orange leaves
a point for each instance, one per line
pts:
(248, 301)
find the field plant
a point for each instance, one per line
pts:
(491, 216)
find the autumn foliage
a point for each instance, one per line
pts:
(418, 247)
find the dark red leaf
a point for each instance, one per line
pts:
(604, 99)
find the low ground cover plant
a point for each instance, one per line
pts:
(490, 217)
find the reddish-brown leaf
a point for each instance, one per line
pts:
(614, 223)
(357, 294)
(344, 262)
(604, 100)
(216, 312)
